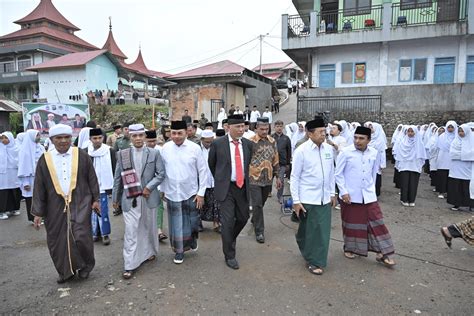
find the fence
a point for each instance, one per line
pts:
(344, 20)
(298, 25)
(428, 12)
(356, 107)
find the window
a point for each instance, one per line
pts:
(444, 70)
(327, 76)
(412, 70)
(353, 72)
(357, 7)
(415, 4)
(470, 69)
(7, 64)
(346, 72)
(24, 62)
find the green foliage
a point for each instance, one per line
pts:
(16, 121)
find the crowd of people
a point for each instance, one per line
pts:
(225, 176)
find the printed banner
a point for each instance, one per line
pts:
(359, 73)
(43, 116)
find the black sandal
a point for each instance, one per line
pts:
(447, 239)
(315, 270)
(385, 260)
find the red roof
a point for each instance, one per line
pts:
(225, 67)
(64, 36)
(47, 10)
(273, 75)
(139, 64)
(112, 46)
(270, 66)
(69, 60)
(160, 74)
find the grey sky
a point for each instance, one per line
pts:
(172, 33)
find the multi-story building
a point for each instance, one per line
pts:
(44, 34)
(354, 43)
(391, 60)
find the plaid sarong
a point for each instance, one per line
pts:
(183, 220)
(364, 229)
(466, 229)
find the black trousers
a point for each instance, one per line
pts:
(378, 184)
(442, 180)
(258, 197)
(408, 186)
(10, 200)
(396, 178)
(276, 107)
(234, 212)
(458, 193)
(29, 201)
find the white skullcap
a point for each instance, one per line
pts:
(60, 129)
(136, 129)
(207, 134)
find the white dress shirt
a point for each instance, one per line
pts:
(186, 173)
(254, 115)
(356, 172)
(62, 165)
(312, 175)
(232, 158)
(269, 115)
(205, 156)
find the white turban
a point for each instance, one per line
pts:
(136, 129)
(207, 134)
(60, 129)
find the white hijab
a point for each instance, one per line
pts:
(298, 135)
(461, 148)
(84, 140)
(30, 152)
(445, 140)
(8, 154)
(396, 133)
(379, 139)
(411, 148)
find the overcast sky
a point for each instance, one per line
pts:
(173, 34)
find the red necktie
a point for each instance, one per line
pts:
(239, 174)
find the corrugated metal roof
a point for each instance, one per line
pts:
(69, 60)
(273, 75)
(47, 10)
(225, 67)
(9, 106)
(270, 66)
(60, 35)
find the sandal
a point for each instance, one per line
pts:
(127, 274)
(315, 270)
(385, 260)
(349, 255)
(162, 236)
(151, 258)
(447, 239)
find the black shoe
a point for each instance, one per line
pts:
(194, 246)
(117, 212)
(83, 274)
(178, 258)
(232, 263)
(62, 280)
(105, 240)
(260, 238)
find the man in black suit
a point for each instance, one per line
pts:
(229, 159)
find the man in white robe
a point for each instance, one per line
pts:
(138, 173)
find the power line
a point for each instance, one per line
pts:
(212, 57)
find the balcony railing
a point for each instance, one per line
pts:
(346, 20)
(298, 26)
(428, 12)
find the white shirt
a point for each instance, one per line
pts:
(248, 134)
(62, 165)
(238, 112)
(312, 174)
(232, 158)
(340, 142)
(205, 156)
(356, 172)
(411, 165)
(443, 160)
(186, 171)
(254, 115)
(269, 115)
(460, 169)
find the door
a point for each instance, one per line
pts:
(327, 76)
(216, 105)
(448, 10)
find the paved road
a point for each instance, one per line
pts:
(272, 280)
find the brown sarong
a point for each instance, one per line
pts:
(364, 229)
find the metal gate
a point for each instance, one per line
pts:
(349, 108)
(216, 105)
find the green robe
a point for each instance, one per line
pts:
(313, 234)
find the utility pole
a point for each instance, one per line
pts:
(261, 37)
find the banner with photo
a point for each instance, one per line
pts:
(43, 116)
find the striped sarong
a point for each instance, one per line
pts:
(183, 220)
(364, 229)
